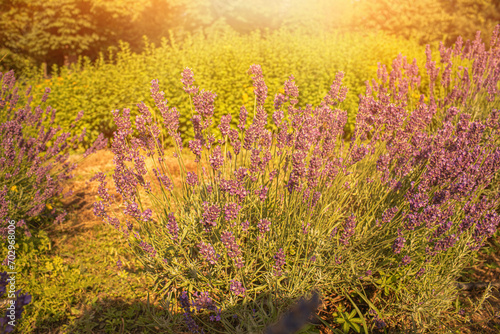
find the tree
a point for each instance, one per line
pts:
(50, 30)
(428, 21)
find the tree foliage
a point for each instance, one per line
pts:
(50, 31)
(33, 32)
(428, 21)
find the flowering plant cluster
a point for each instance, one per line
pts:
(281, 212)
(33, 158)
(14, 314)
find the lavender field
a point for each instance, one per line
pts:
(290, 180)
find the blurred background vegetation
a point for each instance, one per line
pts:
(33, 32)
(100, 55)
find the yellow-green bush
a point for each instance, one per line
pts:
(120, 80)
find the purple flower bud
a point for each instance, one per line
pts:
(237, 288)
(224, 124)
(192, 179)
(231, 211)
(211, 212)
(216, 159)
(280, 261)
(349, 230)
(263, 226)
(406, 260)
(208, 252)
(172, 226)
(398, 244)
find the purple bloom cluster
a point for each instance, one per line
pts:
(434, 142)
(235, 187)
(211, 213)
(376, 319)
(208, 252)
(186, 306)
(406, 260)
(420, 272)
(192, 179)
(148, 249)
(443, 135)
(188, 81)
(224, 125)
(216, 159)
(14, 311)
(398, 244)
(349, 230)
(33, 149)
(202, 301)
(164, 180)
(231, 211)
(262, 193)
(237, 288)
(245, 225)
(172, 226)
(233, 250)
(280, 261)
(264, 226)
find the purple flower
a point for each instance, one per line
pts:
(216, 159)
(231, 211)
(192, 179)
(148, 248)
(232, 248)
(208, 252)
(398, 244)
(334, 95)
(237, 288)
(280, 261)
(349, 230)
(196, 146)
(186, 306)
(379, 323)
(188, 81)
(333, 233)
(60, 217)
(204, 105)
(445, 243)
(263, 226)
(211, 212)
(389, 214)
(243, 118)
(260, 88)
(146, 215)
(163, 179)
(291, 90)
(245, 225)
(224, 124)
(272, 175)
(172, 226)
(406, 260)
(262, 193)
(305, 228)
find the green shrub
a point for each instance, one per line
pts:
(219, 60)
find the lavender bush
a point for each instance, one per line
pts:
(13, 312)
(269, 215)
(33, 159)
